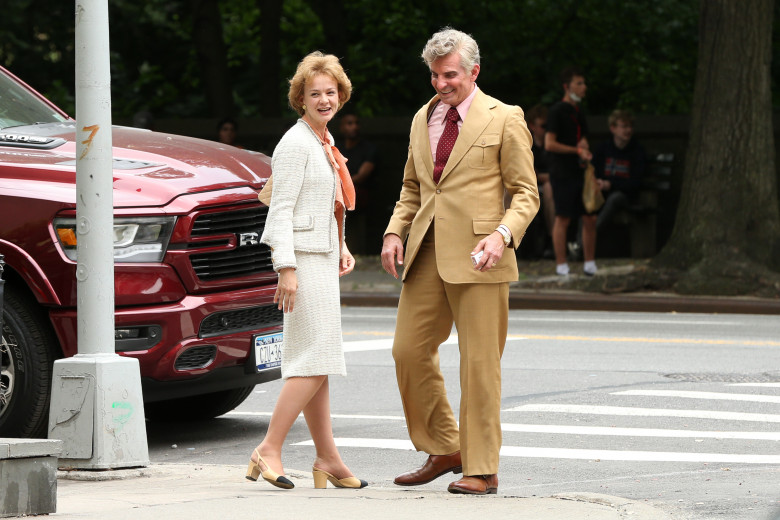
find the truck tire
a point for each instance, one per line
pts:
(198, 407)
(27, 352)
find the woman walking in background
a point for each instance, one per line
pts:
(305, 229)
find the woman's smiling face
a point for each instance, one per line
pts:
(321, 98)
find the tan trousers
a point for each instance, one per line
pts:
(426, 311)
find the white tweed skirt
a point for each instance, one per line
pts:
(312, 331)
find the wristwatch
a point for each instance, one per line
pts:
(505, 233)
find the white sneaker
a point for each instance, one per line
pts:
(562, 269)
(590, 268)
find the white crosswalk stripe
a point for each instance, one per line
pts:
(740, 438)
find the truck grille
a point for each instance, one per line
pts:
(231, 322)
(245, 260)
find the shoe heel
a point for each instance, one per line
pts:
(320, 479)
(457, 470)
(253, 471)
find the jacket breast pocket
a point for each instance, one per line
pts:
(484, 151)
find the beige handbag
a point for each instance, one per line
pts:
(265, 194)
(592, 198)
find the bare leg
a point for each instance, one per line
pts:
(296, 393)
(317, 414)
(589, 237)
(559, 238)
(549, 207)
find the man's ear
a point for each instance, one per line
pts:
(475, 72)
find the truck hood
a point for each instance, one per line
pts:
(149, 168)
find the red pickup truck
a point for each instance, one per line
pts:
(193, 286)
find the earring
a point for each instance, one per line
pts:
(304, 107)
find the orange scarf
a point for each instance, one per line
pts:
(345, 190)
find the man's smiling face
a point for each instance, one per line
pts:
(452, 82)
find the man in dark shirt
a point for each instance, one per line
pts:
(567, 146)
(620, 164)
(361, 161)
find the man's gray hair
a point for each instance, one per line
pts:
(449, 40)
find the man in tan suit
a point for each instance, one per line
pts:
(465, 149)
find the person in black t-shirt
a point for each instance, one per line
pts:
(567, 147)
(361, 162)
(620, 164)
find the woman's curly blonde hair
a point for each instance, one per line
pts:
(312, 65)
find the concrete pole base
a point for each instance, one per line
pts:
(97, 411)
(28, 473)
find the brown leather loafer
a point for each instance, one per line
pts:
(434, 467)
(475, 485)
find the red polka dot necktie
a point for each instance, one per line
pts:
(446, 143)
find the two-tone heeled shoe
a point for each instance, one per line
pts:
(268, 475)
(321, 479)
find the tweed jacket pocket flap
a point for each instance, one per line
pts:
(303, 222)
(485, 226)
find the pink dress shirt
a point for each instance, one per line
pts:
(437, 119)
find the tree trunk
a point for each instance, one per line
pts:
(332, 16)
(727, 232)
(270, 57)
(212, 57)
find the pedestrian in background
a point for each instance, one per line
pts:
(305, 229)
(620, 166)
(227, 130)
(361, 162)
(566, 143)
(465, 149)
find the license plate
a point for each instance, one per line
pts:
(268, 351)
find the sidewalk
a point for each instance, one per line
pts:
(540, 288)
(177, 491)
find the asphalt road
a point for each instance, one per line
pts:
(679, 410)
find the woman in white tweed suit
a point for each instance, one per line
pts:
(305, 229)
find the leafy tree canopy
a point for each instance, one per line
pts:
(636, 54)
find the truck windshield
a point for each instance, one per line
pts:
(20, 107)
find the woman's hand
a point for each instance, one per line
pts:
(286, 289)
(347, 263)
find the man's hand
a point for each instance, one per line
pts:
(492, 247)
(392, 250)
(286, 289)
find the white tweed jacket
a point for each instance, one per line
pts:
(302, 198)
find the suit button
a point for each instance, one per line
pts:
(438, 191)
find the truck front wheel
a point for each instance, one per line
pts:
(27, 354)
(197, 407)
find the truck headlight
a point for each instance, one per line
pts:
(136, 239)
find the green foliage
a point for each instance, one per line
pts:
(636, 54)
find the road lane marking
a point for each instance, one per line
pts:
(637, 432)
(765, 385)
(569, 453)
(575, 320)
(614, 339)
(645, 412)
(577, 430)
(720, 396)
(628, 339)
(334, 416)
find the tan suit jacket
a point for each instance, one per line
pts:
(492, 154)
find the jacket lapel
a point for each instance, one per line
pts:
(422, 141)
(477, 119)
